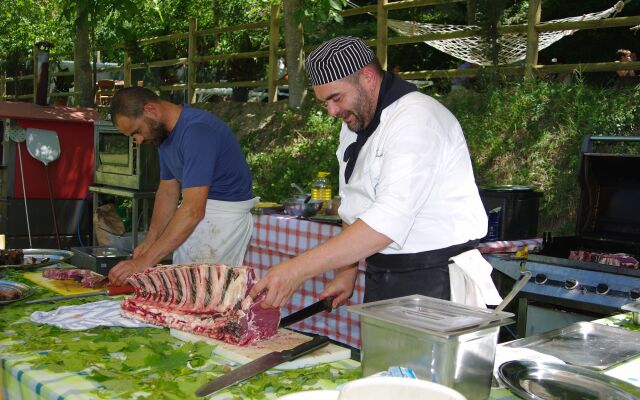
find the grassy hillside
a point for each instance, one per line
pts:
(523, 133)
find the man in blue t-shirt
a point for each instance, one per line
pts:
(201, 161)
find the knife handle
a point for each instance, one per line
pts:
(116, 290)
(305, 348)
(328, 303)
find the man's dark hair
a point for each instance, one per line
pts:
(129, 102)
(623, 52)
(375, 64)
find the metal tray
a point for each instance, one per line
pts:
(586, 344)
(432, 316)
(533, 380)
(24, 291)
(41, 258)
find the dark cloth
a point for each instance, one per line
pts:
(391, 89)
(426, 273)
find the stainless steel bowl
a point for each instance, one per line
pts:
(299, 207)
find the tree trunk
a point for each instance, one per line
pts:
(294, 56)
(82, 67)
(471, 12)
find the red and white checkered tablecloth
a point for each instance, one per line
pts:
(277, 238)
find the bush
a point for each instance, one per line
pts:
(304, 142)
(530, 134)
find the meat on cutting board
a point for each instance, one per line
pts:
(204, 299)
(85, 277)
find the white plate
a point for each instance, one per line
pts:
(395, 388)
(312, 395)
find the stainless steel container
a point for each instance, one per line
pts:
(444, 342)
(634, 309)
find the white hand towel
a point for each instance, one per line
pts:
(87, 316)
(470, 280)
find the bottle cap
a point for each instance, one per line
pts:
(323, 174)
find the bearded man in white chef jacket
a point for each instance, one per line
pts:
(409, 202)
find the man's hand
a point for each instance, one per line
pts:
(124, 269)
(280, 283)
(342, 286)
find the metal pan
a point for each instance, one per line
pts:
(585, 344)
(22, 291)
(34, 258)
(533, 380)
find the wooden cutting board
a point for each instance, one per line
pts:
(283, 340)
(63, 287)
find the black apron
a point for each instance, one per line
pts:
(426, 273)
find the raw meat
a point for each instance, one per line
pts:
(11, 257)
(617, 259)
(9, 294)
(87, 278)
(204, 299)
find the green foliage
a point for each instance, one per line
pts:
(25, 22)
(530, 134)
(305, 144)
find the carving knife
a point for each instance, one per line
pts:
(322, 305)
(109, 291)
(260, 365)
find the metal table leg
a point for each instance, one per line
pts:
(95, 207)
(134, 222)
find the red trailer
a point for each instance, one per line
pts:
(71, 175)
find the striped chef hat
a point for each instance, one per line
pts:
(336, 59)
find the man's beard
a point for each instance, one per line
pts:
(157, 130)
(363, 110)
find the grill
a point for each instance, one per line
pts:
(564, 290)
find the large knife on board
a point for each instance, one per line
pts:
(322, 305)
(260, 365)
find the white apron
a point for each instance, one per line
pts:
(221, 237)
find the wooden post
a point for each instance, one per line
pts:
(382, 33)
(35, 72)
(126, 69)
(532, 38)
(192, 66)
(3, 85)
(274, 41)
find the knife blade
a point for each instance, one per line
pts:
(109, 291)
(322, 305)
(260, 365)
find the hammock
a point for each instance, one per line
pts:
(512, 47)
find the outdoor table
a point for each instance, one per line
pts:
(277, 238)
(21, 379)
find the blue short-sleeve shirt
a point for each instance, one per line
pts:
(202, 151)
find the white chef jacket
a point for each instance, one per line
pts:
(413, 180)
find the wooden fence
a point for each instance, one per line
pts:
(381, 43)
